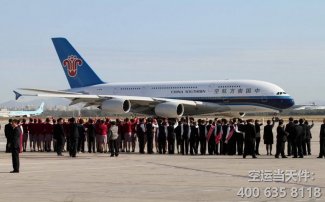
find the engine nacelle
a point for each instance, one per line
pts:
(169, 110)
(116, 106)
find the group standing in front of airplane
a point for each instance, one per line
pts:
(188, 136)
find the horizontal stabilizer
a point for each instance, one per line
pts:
(17, 95)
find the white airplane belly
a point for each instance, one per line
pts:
(250, 108)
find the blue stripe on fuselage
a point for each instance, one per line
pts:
(273, 102)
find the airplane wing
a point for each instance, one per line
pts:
(139, 104)
(89, 98)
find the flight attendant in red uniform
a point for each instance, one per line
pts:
(48, 134)
(108, 124)
(39, 133)
(31, 134)
(103, 133)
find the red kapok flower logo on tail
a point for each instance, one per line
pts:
(72, 63)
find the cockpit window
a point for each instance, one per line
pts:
(281, 93)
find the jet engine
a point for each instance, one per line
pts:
(116, 106)
(169, 109)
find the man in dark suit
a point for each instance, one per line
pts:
(15, 145)
(290, 130)
(185, 137)
(297, 140)
(171, 137)
(322, 141)
(240, 136)
(250, 135)
(8, 134)
(74, 136)
(59, 136)
(150, 135)
(202, 135)
(281, 138)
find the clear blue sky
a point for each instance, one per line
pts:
(148, 40)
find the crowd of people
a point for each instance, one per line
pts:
(184, 136)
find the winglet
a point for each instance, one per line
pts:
(17, 95)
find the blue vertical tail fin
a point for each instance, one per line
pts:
(76, 69)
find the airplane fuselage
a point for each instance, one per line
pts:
(238, 95)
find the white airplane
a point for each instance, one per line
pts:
(312, 106)
(164, 99)
(5, 113)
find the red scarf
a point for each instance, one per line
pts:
(210, 131)
(218, 137)
(231, 132)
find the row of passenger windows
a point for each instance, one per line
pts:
(187, 87)
(165, 87)
(175, 87)
(130, 88)
(228, 86)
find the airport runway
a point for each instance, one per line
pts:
(135, 177)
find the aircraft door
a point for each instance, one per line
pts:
(116, 90)
(213, 88)
(143, 91)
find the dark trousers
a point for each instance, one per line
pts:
(184, 146)
(141, 143)
(150, 143)
(193, 149)
(197, 142)
(81, 143)
(54, 145)
(257, 145)
(249, 148)
(68, 142)
(322, 147)
(221, 147)
(171, 146)
(240, 143)
(91, 144)
(216, 149)
(162, 146)
(224, 147)
(211, 146)
(306, 147)
(73, 147)
(289, 147)
(297, 148)
(59, 146)
(231, 146)
(299, 145)
(15, 158)
(8, 149)
(279, 148)
(203, 145)
(114, 147)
